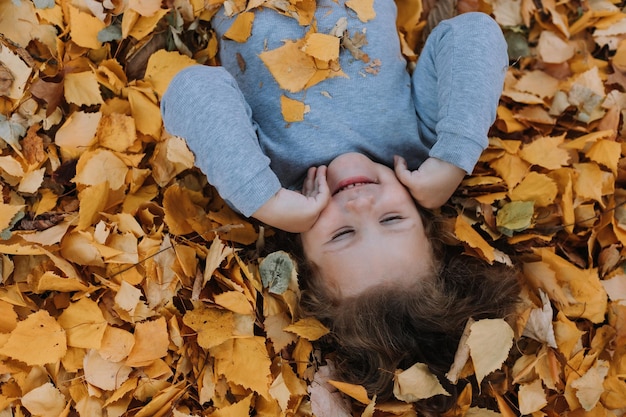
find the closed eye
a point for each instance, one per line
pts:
(391, 219)
(340, 233)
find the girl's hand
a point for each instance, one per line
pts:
(294, 212)
(432, 184)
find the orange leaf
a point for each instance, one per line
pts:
(363, 8)
(546, 152)
(292, 110)
(290, 67)
(241, 28)
(151, 342)
(465, 233)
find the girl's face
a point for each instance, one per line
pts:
(370, 233)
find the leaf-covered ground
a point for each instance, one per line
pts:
(129, 289)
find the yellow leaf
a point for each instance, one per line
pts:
(117, 132)
(102, 373)
(588, 299)
(357, 392)
(553, 49)
(170, 158)
(213, 326)
(245, 362)
(92, 201)
(151, 342)
(31, 181)
(274, 325)
(78, 247)
(535, 187)
(36, 340)
(20, 24)
(145, 7)
(8, 317)
(510, 123)
(234, 301)
(292, 110)
(465, 233)
(116, 344)
(567, 335)
(532, 397)
(81, 88)
(589, 387)
(145, 112)
(18, 69)
(162, 66)
(539, 83)
(100, 166)
(588, 184)
(322, 46)
(290, 67)
(309, 328)
(77, 134)
(142, 26)
(606, 153)
(363, 8)
(8, 213)
(511, 168)
(240, 408)
(44, 401)
(128, 297)
(50, 281)
(546, 152)
(84, 28)
(241, 28)
(417, 383)
(490, 341)
(178, 209)
(84, 324)
(48, 201)
(585, 141)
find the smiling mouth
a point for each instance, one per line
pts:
(352, 183)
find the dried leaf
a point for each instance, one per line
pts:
(84, 324)
(36, 340)
(363, 8)
(46, 401)
(309, 328)
(489, 341)
(589, 386)
(416, 383)
(151, 343)
(532, 397)
(241, 28)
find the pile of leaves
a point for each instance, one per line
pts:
(128, 287)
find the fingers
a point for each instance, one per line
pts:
(309, 185)
(401, 170)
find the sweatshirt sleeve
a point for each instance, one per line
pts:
(204, 106)
(462, 68)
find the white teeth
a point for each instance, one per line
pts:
(352, 186)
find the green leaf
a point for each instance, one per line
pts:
(515, 217)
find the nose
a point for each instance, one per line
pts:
(360, 202)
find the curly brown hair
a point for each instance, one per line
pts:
(387, 327)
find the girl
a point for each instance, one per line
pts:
(375, 141)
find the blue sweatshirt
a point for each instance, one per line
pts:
(231, 117)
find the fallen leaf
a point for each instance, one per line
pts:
(36, 340)
(45, 400)
(490, 341)
(417, 383)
